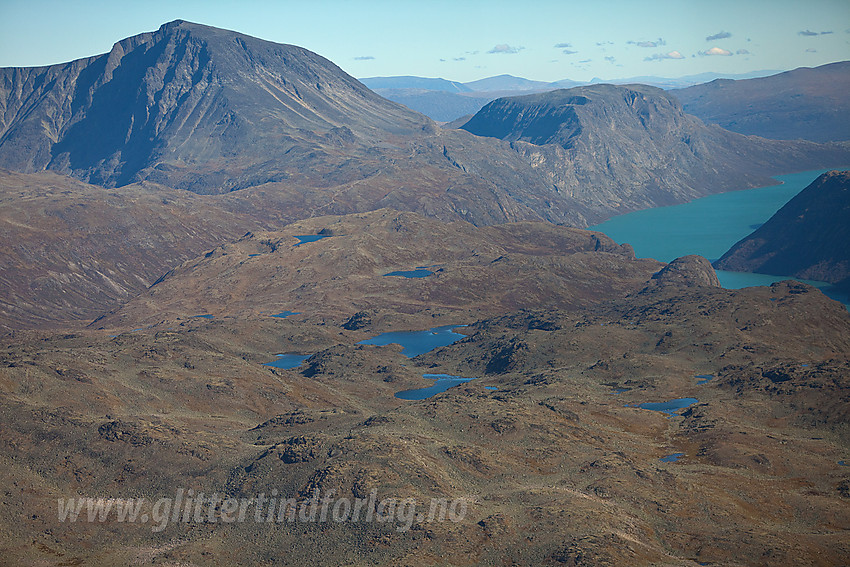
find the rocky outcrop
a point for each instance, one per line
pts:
(357, 321)
(688, 271)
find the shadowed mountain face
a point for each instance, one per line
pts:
(212, 111)
(803, 104)
(590, 140)
(187, 98)
(807, 238)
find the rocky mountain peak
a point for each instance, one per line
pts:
(183, 96)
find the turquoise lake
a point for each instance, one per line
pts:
(710, 226)
(305, 238)
(670, 407)
(288, 361)
(415, 343)
(417, 273)
(285, 314)
(442, 382)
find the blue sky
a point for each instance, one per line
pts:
(466, 40)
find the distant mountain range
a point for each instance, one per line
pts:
(501, 83)
(429, 97)
(803, 104)
(505, 83)
(418, 83)
(807, 238)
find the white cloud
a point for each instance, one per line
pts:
(504, 48)
(663, 56)
(364, 58)
(716, 51)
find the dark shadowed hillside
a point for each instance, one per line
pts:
(808, 238)
(803, 104)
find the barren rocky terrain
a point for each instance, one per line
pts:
(556, 466)
(240, 200)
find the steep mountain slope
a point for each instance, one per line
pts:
(631, 147)
(212, 111)
(803, 104)
(807, 238)
(213, 103)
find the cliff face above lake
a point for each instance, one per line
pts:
(628, 145)
(807, 238)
